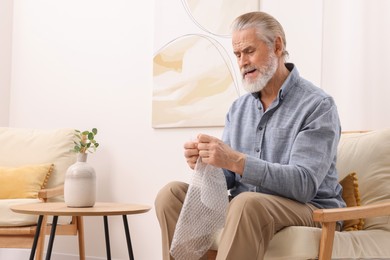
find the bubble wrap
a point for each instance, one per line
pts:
(203, 213)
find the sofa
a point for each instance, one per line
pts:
(363, 163)
(33, 163)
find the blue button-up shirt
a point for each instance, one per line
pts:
(291, 147)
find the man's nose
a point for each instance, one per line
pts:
(243, 61)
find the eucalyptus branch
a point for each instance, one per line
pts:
(85, 141)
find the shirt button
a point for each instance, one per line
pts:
(257, 150)
(260, 128)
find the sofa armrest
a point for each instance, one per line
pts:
(328, 218)
(366, 211)
(45, 194)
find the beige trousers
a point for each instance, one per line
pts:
(252, 220)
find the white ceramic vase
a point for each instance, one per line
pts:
(80, 184)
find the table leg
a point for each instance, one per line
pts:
(107, 235)
(129, 247)
(80, 231)
(41, 239)
(36, 236)
(52, 235)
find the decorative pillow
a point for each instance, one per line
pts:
(24, 181)
(351, 197)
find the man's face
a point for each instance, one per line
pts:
(257, 62)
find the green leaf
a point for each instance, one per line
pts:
(86, 141)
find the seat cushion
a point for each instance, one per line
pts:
(10, 218)
(296, 243)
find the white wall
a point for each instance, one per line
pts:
(87, 63)
(5, 59)
(84, 64)
(304, 51)
(355, 67)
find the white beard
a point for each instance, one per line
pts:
(266, 73)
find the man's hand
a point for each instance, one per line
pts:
(191, 153)
(215, 152)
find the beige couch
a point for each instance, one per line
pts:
(368, 155)
(31, 159)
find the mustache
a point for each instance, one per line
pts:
(247, 69)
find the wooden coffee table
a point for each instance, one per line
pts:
(104, 209)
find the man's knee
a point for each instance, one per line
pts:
(250, 203)
(170, 193)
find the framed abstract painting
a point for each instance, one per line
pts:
(195, 77)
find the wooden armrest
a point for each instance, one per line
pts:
(45, 194)
(328, 218)
(366, 211)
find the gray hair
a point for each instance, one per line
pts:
(267, 28)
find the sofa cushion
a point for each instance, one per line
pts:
(23, 182)
(367, 154)
(351, 196)
(20, 146)
(297, 243)
(8, 218)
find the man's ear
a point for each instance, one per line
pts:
(278, 46)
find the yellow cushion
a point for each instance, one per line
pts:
(24, 181)
(40, 146)
(351, 197)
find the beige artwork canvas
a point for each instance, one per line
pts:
(194, 74)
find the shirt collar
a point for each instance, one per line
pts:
(286, 86)
(290, 80)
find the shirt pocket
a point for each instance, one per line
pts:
(280, 144)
